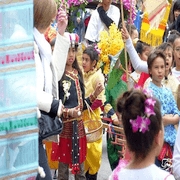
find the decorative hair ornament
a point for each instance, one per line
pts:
(141, 123)
(97, 49)
(74, 39)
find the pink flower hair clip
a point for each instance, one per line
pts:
(147, 92)
(97, 49)
(141, 123)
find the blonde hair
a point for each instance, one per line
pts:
(44, 12)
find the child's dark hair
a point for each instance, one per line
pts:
(173, 34)
(141, 46)
(176, 7)
(130, 105)
(164, 46)
(92, 52)
(75, 65)
(153, 55)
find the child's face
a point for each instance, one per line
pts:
(157, 70)
(144, 55)
(134, 35)
(176, 14)
(87, 64)
(169, 58)
(177, 52)
(71, 56)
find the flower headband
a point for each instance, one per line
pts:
(141, 123)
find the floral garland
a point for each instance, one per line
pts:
(128, 6)
(71, 3)
(110, 44)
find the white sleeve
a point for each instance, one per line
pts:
(60, 53)
(137, 63)
(176, 156)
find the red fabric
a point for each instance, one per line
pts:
(142, 79)
(86, 21)
(97, 103)
(166, 152)
(62, 152)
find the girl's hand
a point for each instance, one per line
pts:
(99, 89)
(125, 33)
(62, 21)
(75, 112)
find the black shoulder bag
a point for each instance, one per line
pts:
(49, 126)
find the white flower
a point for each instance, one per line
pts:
(66, 87)
(67, 95)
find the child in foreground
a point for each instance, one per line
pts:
(143, 128)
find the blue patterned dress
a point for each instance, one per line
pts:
(168, 106)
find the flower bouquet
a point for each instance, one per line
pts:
(110, 44)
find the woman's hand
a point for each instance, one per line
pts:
(125, 33)
(62, 21)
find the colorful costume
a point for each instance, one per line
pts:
(94, 149)
(72, 142)
(168, 106)
(115, 87)
(171, 82)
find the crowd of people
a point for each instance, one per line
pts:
(148, 109)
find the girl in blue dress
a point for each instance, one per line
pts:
(170, 113)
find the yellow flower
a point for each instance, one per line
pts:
(110, 44)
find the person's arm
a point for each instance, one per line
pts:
(170, 119)
(137, 63)
(60, 53)
(93, 99)
(176, 156)
(61, 46)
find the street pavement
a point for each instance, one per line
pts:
(105, 169)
